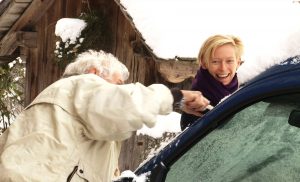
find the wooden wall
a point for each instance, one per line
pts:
(40, 69)
(126, 45)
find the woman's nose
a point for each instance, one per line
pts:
(223, 65)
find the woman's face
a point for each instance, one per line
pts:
(223, 64)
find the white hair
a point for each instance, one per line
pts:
(106, 63)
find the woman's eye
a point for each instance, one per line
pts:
(214, 62)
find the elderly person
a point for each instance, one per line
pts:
(73, 129)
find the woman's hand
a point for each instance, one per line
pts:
(194, 102)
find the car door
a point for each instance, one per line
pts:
(258, 143)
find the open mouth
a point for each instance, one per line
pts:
(223, 76)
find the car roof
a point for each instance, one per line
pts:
(282, 77)
(284, 66)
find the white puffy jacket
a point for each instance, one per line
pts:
(74, 128)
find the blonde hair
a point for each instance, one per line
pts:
(208, 48)
(105, 63)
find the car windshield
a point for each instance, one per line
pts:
(259, 143)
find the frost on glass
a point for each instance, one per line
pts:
(257, 144)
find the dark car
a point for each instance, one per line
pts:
(253, 135)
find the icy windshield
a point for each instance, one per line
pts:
(256, 144)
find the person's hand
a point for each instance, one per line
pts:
(194, 102)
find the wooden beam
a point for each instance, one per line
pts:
(28, 19)
(27, 39)
(177, 71)
(7, 59)
(23, 39)
(3, 5)
(32, 14)
(11, 13)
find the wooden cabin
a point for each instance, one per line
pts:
(27, 30)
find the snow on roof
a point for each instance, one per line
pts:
(178, 27)
(269, 29)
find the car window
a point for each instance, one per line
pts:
(256, 144)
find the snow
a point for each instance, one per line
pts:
(269, 29)
(129, 174)
(166, 123)
(69, 28)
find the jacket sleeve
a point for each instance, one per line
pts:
(112, 112)
(177, 97)
(187, 119)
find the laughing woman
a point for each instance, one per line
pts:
(219, 58)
